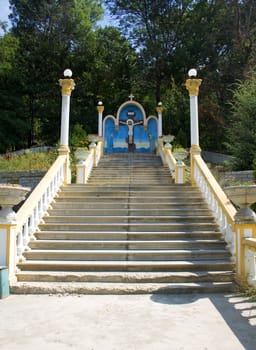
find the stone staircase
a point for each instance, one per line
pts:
(129, 230)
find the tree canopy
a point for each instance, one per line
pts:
(148, 53)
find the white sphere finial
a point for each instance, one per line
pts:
(192, 72)
(67, 73)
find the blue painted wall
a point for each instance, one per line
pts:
(117, 140)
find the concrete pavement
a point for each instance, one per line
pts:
(122, 322)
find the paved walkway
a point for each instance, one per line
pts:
(143, 322)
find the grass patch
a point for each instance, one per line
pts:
(249, 292)
(28, 161)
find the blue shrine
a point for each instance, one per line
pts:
(131, 130)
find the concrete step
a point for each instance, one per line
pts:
(126, 235)
(120, 288)
(126, 194)
(141, 187)
(107, 180)
(129, 226)
(126, 244)
(125, 265)
(126, 277)
(125, 211)
(126, 254)
(123, 192)
(148, 206)
(133, 200)
(131, 219)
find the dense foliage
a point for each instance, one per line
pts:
(148, 53)
(242, 130)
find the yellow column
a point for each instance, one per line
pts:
(245, 227)
(160, 144)
(192, 85)
(159, 110)
(67, 86)
(100, 109)
(8, 240)
(242, 231)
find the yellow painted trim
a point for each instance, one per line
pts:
(28, 206)
(67, 85)
(7, 226)
(159, 110)
(216, 189)
(242, 244)
(169, 154)
(100, 109)
(194, 150)
(192, 85)
(250, 243)
(10, 248)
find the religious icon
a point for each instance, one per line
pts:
(130, 123)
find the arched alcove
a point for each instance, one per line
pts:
(130, 130)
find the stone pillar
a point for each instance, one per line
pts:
(92, 147)
(159, 110)
(10, 195)
(180, 174)
(245, 227)
(100, 109)
(192, 85)
(67, 85)
(81, 172)
(8, 247)
(160, 144)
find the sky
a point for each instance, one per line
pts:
(4, 12)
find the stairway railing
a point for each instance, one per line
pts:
(238, 232)
(176, 168)
(217, 200)
(34, 208)
(84, 168)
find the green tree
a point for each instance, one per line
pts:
(51, 34)
(242, 125)
(155, 29)
(12, 126)
(172, 36)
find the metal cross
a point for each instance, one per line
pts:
(131, 97)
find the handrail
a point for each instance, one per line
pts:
(84, 167)
(33, 209)
(176, 168)
(250, 261)
(217, 200)
(170, 160)
(89, 163)
(98, 152)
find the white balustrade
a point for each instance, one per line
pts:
(218, 202)
(176, 168)
(250, 260)
(161, 153)
(34, 208)
(98, 153)
(84, 168)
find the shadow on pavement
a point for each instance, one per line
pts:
(238, 312)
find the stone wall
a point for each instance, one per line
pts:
(228, 178)
(216, 158)
(237, 176)
(28, 178)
